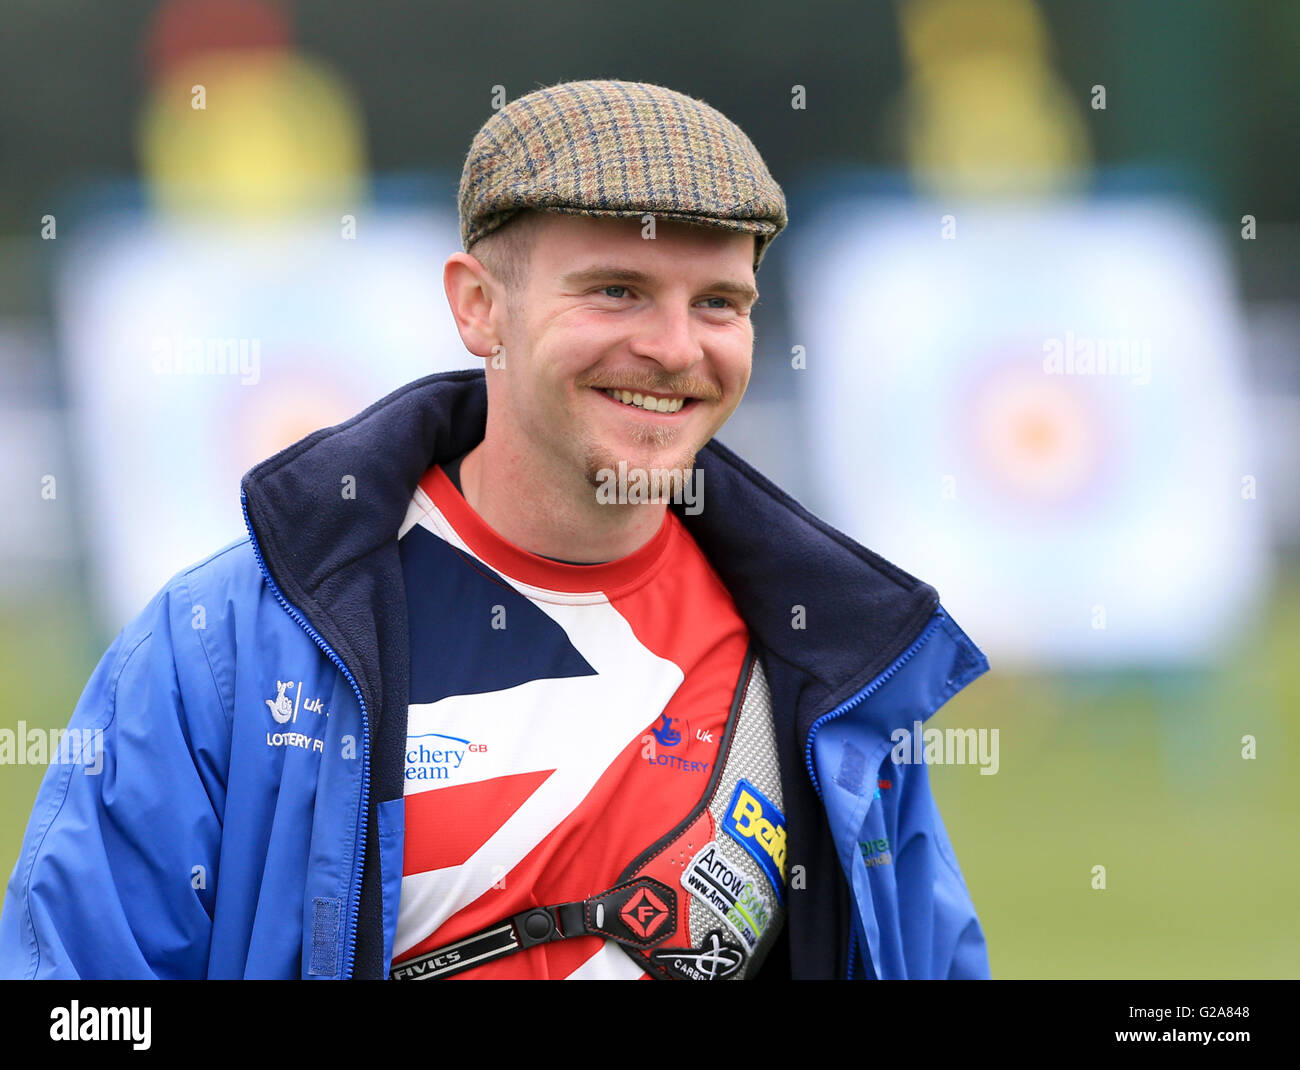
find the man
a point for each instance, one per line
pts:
(473, 698)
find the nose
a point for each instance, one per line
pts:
(667, 335)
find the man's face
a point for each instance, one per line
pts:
(605, 311)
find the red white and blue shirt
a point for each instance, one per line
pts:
(562, 718)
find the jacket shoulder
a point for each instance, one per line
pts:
(231, 571)
(232, 567)
(184, 639)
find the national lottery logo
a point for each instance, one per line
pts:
(667, 735)
(282, 705)
(285, 711)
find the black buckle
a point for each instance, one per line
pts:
(537, 926)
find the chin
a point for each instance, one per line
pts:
(647, 458)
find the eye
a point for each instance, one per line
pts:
(719, 303)
(621, 291)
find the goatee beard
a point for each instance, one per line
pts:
(601, 463)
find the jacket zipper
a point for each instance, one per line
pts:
(843, 708)
(354, 905)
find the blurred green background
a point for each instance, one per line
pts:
(1144, 776)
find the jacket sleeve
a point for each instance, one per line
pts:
(118, 868)
(945, 940)
(959, 937)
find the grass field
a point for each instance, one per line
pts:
(1140, 774)
(1144, 776)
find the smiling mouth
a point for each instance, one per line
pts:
(648, 402)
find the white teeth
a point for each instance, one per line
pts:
(646, 401)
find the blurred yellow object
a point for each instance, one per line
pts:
(938, 34)
(985, 113)
(252, 134)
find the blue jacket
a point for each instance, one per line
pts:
(218, 833)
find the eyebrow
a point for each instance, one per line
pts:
(608, 273)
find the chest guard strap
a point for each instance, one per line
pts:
(638, 914)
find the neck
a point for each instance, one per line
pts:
(552, 517)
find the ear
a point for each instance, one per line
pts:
(477, 303)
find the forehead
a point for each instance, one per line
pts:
(565, 242)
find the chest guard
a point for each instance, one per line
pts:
(704, 902)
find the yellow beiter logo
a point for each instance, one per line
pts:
(754, 820)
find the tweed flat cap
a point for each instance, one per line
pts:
(622, 149)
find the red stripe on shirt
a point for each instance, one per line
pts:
(480, 808)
